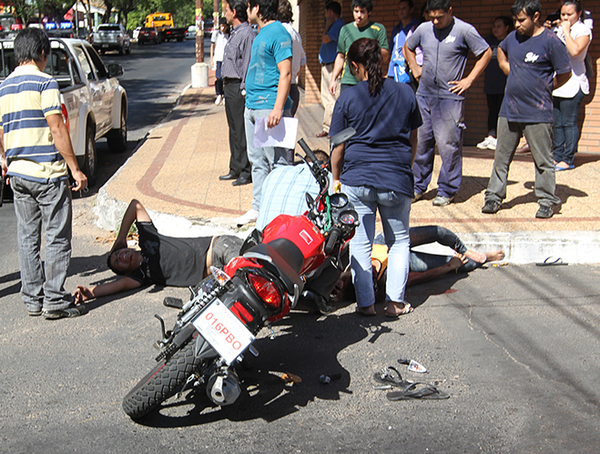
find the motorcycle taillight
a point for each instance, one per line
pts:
(266, 290)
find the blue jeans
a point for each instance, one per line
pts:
(421, 261)
(264, 159)
(566, 132)
(442, 125)
(394, 209)
(47, 204)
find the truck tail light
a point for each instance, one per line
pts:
(65, 115)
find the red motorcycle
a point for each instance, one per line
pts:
(218, 325)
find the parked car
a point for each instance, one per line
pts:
(111, 37)
(149, 35)
(94, 105)
(191, 32)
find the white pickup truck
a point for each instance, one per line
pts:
(111, 37)
(94, 104)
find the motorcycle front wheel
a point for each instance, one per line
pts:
(162, 382)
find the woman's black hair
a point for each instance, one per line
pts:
(31, 44)
(576, 3)
(367, 52)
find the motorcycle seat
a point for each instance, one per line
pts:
(283, 258)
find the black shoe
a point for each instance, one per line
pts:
(546, 212)
(318, 301)
(229, 176)
(241, 181)
(74, 310)
(491, 207)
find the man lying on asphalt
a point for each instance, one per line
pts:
(162, 260)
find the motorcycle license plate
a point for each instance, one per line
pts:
(223, 330)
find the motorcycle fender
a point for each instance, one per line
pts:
(203, 349)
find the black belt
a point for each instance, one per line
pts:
(231, 80)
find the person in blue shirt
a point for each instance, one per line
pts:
(400, 32)
(375, 169)
(268, 83)
(535, 61)
(327, 54)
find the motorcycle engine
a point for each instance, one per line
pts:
(223, 387)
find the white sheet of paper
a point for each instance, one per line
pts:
(283, 135)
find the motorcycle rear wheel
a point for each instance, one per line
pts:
(162, 382)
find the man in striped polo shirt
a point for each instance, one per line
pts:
(36, 150)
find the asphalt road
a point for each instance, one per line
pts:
(516, 347)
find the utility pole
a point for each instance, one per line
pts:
(199, 32)
(199, 69)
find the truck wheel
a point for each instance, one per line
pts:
(117, 138)
(90, 162)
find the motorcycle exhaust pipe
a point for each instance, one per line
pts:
(223, 387)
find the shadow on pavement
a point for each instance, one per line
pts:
(306, 347)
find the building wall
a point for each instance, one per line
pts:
(478, 13)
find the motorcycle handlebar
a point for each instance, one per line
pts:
(332, 240)
(308, 151)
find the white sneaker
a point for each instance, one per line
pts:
(492, 144)
(483, 145)
(249, 216)
(223, 101)
(218, 100)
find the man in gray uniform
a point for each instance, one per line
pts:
(445, 41)
(234, 68)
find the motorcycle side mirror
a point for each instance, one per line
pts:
(310, 201)
(341, 137)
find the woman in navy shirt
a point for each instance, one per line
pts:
(375, 169)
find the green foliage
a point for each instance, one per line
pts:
(183, 11)
(56, 9)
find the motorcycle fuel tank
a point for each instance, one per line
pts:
(303, 233)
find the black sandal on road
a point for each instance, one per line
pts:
(552, 261)
(390, 376)
(418, 390)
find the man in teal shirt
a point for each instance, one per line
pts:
(362, 27)
(268, 84)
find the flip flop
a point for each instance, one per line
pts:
(390, 376)
(407, 309)
(560, 169)
(552, 261)
(418, 390)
